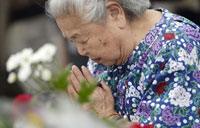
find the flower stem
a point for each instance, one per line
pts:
(57, 63)
(40, 83)
(29, 87)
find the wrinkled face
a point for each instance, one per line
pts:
(100, 42)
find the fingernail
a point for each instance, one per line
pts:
(83, 67)
(74, 68)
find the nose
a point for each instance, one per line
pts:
(82, 51)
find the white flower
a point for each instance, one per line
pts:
(168, 15)
(185, 57)
(40, 67)
(194, 56)
(189, 59)
(179, 97)
(141, 83)
(25, 56)
(132, 92)
(13, 62)
(159, 59)
(45, 53)
(175, 66)
(19, 59)
(37, 73)
(46, 75)
(38, 70)
(134, 118)
(24, 73)
(12, 78)
(25, 64)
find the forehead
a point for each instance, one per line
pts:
(73, 26)
(69, 25)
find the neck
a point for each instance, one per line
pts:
(136, 31)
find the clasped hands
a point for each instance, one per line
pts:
(104, 101)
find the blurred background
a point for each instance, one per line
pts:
(24, 23)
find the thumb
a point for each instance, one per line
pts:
(105, 87)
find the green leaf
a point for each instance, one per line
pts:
(180, 111)
(157, 111)
(152, 117)
(146, 85)
(189, 68)
(194, 83)
(186, 126)
(164, 126)
(196, 100)
(86, 90)
(60, 82)
(175, 111)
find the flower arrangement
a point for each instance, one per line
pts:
(46, 100)
(45, 83)
(35, 70)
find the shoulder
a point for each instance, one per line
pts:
(178, 33)
(180, 27)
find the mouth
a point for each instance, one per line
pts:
(97, 60)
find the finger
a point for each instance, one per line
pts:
(70, 89)
(72, 93)
(75, 82)
(70, 83)
(78, 74)
(105, 87)
(68, 78)
(87, 74)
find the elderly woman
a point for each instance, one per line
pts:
(147, 60)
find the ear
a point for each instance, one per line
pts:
(115, 14)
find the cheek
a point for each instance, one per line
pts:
(104, 46)
(110, 51)
(94, 44)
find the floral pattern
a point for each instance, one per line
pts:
(157, 46)
(169, 36)
(144, 110)
(197, 125)
(160, 88)
(175, 66)
(179, 97)
(191, 32)
(160, 81)
(168, 118)
(196, 76)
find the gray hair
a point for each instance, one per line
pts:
(94, 10)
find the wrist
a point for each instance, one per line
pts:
(115, 116)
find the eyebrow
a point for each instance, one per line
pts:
(74, 36)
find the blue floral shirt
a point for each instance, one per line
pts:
(160, 82)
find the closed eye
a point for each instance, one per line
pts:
(84, 42)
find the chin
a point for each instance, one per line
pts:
(110, 63)
(107, 64)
